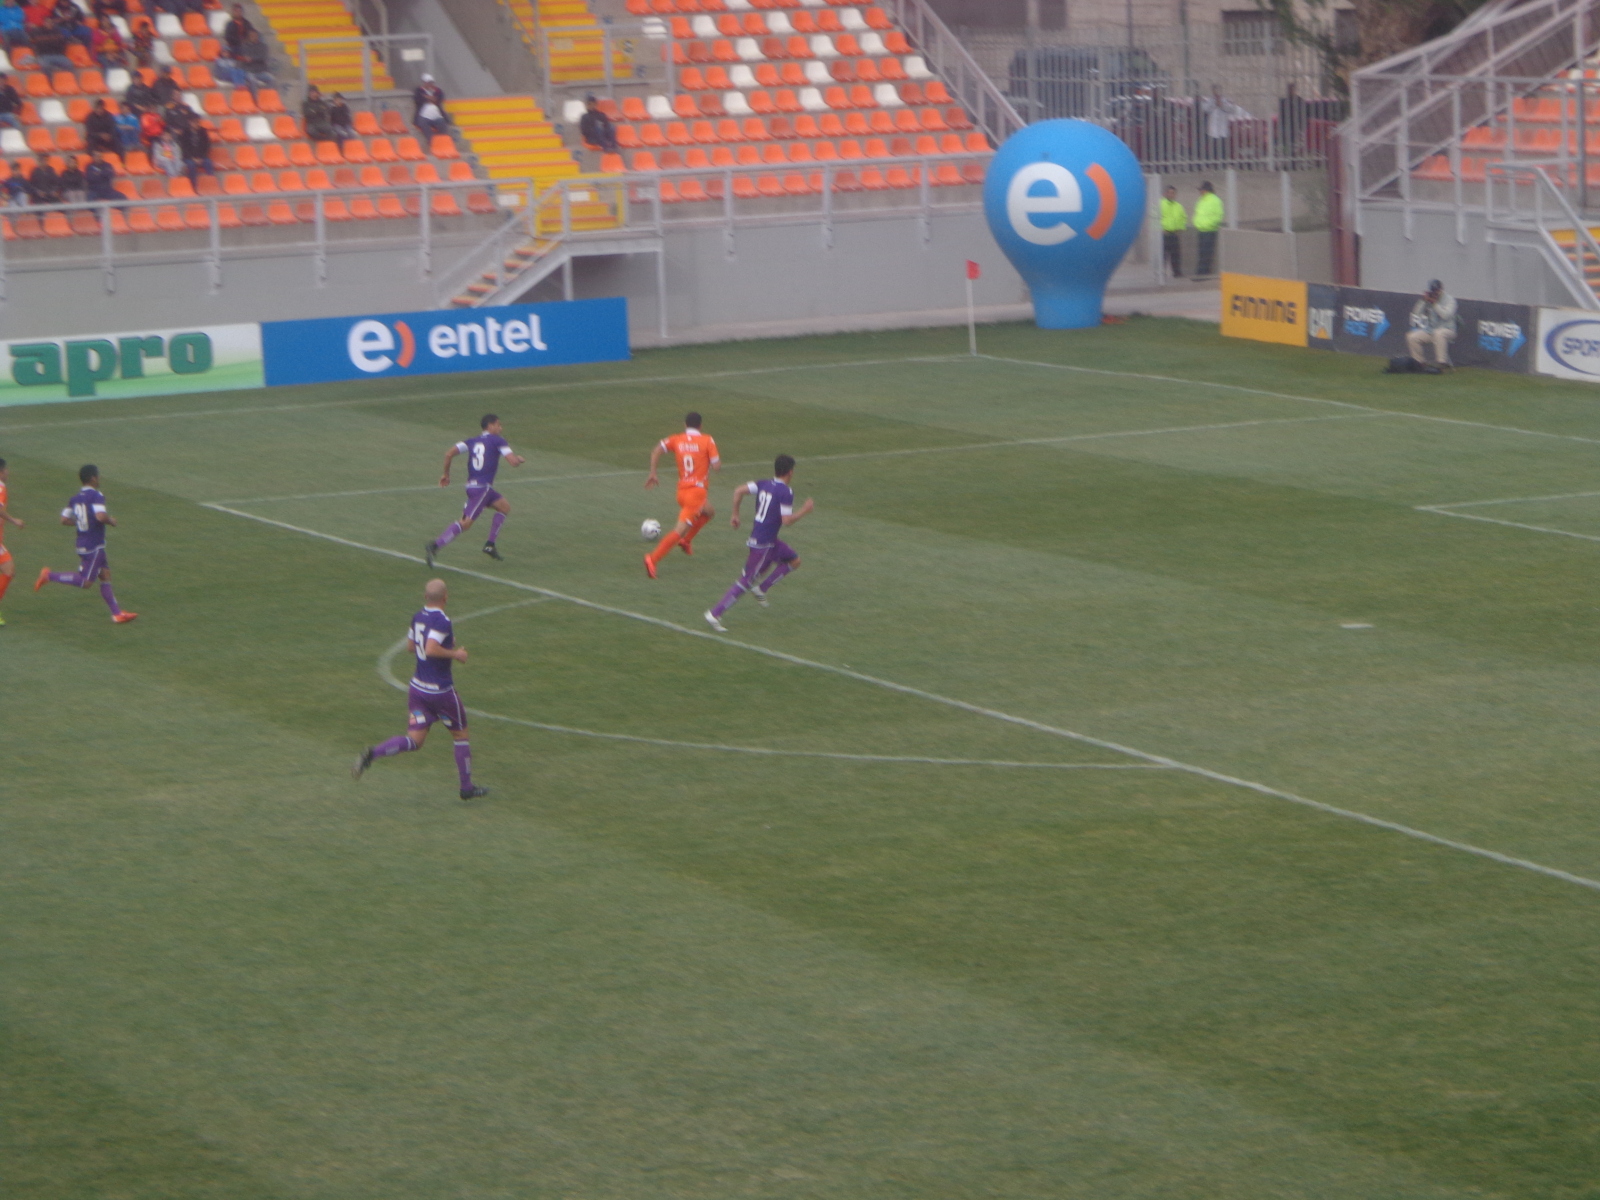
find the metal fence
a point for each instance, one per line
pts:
(405, 56)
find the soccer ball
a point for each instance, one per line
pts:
(650, 530)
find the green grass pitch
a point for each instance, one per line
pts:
(1127, 964)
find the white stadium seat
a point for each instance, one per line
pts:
(192, 99)
(886, 96)
(659, 108)
(742, 77)
(572, 112)
(219, 21)
(5, 61)
(811, 100)
(749, 50)
(121, 24)
(872, 44)
(654, 28)
(117, 80)
(163, 54)
(12, 142)
(258, 129)
(704, 27)
(736, 104)
(817, 73)
(168, 26)
(852, 19)
(822, 46)
(740, 5)
(916, 68)
(52, 112)
(779, 23)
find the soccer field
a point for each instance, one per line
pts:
(1170, 774)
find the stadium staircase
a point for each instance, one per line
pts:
(331, 68)
(576, 46)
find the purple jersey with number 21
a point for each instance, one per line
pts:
(484, 453)
(774, 502)
(84, 511)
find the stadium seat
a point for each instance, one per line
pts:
(168, 26)
(241, 102)
(209, 185)
(28, 226)
(231, 129)
(317, 180)
(936, 93)
(274, 156)
(443, 146)
(355, 151)
(180, 188)
(678, 134)
(247, 158)
(443, 204)
(773, 153)
(408, 150)
(916, 68)
(258, 129)
(329, 153)
(480, 202)
(761, 102)
(390, 206)
(285, 128)
(262, 183)
(141, 220)
(236, 183)
(85, 224)
(428, 173)
(56, 225)
(254, 214)
(366, 124)
(460, 172)
(370, 177)
(300, 155)
(394, 124)
(382, 150)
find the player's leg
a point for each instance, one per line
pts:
(418, 721)
(754, 563)
(454, 716)
(671, 539)
(469, 513)
(8, 572)
(110, 597)
(782, 562)
(502, 509)
(700, 521)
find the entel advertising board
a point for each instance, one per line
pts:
(443, 341)
(151, 362)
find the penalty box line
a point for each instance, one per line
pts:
(994, 714)
(1449, 510)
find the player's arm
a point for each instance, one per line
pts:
(449, 456)
(436, 649)
(716, 459)
(790, 518)
(7, 518)
(739, 494)
(655, 457)
(105, 518)
(512, 459)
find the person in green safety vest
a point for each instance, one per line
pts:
(1207, 220)
(1174, 220)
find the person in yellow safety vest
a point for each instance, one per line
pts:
(1174, 220)
(1207, 220)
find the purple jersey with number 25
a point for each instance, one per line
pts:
(774, 502)
(484, 453)
(431, 674)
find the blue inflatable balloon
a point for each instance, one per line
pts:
(1065, 199)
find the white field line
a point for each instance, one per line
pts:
(1044, 441)
(963, 705)
(1441, 511)
(492, 391)
(386, 673)
(1507, 500)
(1234, 387)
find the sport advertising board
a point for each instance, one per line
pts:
(151, 362)
(1569, 344)
(1263, 309)
(445, 341)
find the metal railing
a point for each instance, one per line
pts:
(409, 219)
(407, 57)
(953, 62)
(1529, 195)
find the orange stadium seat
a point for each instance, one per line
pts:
(254, 214)
(240, 102)
(269, 101)
(328, 153)
(393, 123)
(300, 154)
(444, 146)
(209, 49)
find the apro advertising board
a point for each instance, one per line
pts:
(1264, 310)
(155, 362)
(1569, 344)
(445, 341)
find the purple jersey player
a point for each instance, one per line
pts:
(769, 559)
(86, 513)
(484, 453)
(432, 695)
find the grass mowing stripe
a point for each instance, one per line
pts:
(1239, 387)
(494, 391)
(386, 673)
(1044, 441)
(965, 706)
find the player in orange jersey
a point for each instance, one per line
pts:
(696, 456)
(7, 569)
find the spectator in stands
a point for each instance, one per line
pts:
(16, 188)
(344, 127)
(1208, 217)
(315, 116)
(36, 14)
(166, 87)
(236, 30)
(50, 48)
(13, 25)
(1433, 323)
(44, 185)
(254, 59)
(77, 28)
(105, 44)
(151, 127)
(427, 92)
(195, 142)
(143, 45)
(165, 157)
(10, 103)
(105, 8)
(226, 69)
(139, 95)
(99, 180)
(596, 128)
(100, 129)
(1174, 220)
(73, 186)
(127, 120)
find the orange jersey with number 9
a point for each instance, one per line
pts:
(4, 500)
(694, 453)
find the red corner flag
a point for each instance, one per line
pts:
(974, 271)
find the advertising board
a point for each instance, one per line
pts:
(1568, 344)
(1263, 309)
(151, 362)
(445, 341)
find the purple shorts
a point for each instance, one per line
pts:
(478, 499)
(761, 557)
(428, 707)
(90, 564)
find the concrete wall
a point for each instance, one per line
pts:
(1279, 255)
(1472, 267)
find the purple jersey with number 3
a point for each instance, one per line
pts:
(432, 674)
(84, 511)
(484, 453)
(774, 502)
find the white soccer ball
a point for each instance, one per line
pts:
(650, 530)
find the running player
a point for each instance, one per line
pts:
(432, 695)
(768, 555)
(484, 453)
(86, 512)
(8, 570)
(696, 455)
